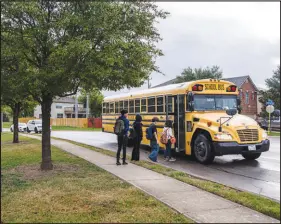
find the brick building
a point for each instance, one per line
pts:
(247, 91)
(248, 94)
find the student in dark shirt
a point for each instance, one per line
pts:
(154, 143)
(137, 125)
(123, 139)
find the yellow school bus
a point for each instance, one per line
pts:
(204, 112)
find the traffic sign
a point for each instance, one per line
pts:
(269, 102)
(269, 109)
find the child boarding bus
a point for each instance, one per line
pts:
(204, 112)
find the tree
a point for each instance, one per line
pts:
(190, 74)
(102, 44)
(13, 92)
(273, 92)
(95, 102)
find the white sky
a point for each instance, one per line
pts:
(243, 38)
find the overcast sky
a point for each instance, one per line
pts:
(242, 38)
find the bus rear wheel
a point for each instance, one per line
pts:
(202, 149)
(251, 156)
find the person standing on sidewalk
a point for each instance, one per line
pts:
(154, 143)
(137, 127)
(169, 134)
(121, 128)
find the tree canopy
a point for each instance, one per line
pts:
(190, 74)
(88, 44)
(273, 92)
(95, 102)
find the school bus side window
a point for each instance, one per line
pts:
(120, 106)
(160, 104)
(170, 104)
(151, 105)
(116, 108)
(143, 105)
(103, 108)
(106, 108)
(131, 106)
(111, 108)
(125, 104)
(137, 106)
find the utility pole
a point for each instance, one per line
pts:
(148, 82)
(76, 106)
(87, 106)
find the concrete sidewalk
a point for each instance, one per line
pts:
(199, 205)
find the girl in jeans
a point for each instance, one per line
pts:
(169, 132)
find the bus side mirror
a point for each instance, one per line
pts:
(190, 100)
(191, 106)
(190, 97)
(231, 112)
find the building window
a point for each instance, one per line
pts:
(116, 108)
(160, 104)
(151, 104)
(241, 94)
(132, 106)
(59, 115)
(58, 107)
(247, 98)
(253, 96)
(137, 106)
(143, 105)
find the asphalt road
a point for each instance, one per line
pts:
(261, 176)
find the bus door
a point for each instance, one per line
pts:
(179, 121)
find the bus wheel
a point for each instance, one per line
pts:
(203, 150)
(251, 156)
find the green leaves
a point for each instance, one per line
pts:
(190, 74)
(273, 92)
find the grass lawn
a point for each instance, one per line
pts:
(7, 124)
(273, 133)
(75, 191)
(261, 204)
(69, 128)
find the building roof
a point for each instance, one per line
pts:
(64, 100)
(172, 81)
(238, 81)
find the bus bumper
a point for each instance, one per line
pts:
(227, 148)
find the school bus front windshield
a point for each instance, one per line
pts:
(206, 102)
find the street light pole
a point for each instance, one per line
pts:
(76, 106)
(87, 106)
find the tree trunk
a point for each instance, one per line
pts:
(46, 134)
(16, 111)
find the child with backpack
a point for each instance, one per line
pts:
(137, 137)
(166, 138)
(121, 129)
(151, 134)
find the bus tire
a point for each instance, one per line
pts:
(251, 156)
(202, 149)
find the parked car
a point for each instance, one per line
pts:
(275, 121)
(22, 127)
(35, 125)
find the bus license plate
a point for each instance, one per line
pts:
(251, 147)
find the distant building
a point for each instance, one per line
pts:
(248, 93)
(63, 107)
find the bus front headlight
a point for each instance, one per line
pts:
(264, 135)
(223, 136)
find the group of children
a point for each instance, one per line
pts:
(122, 130)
